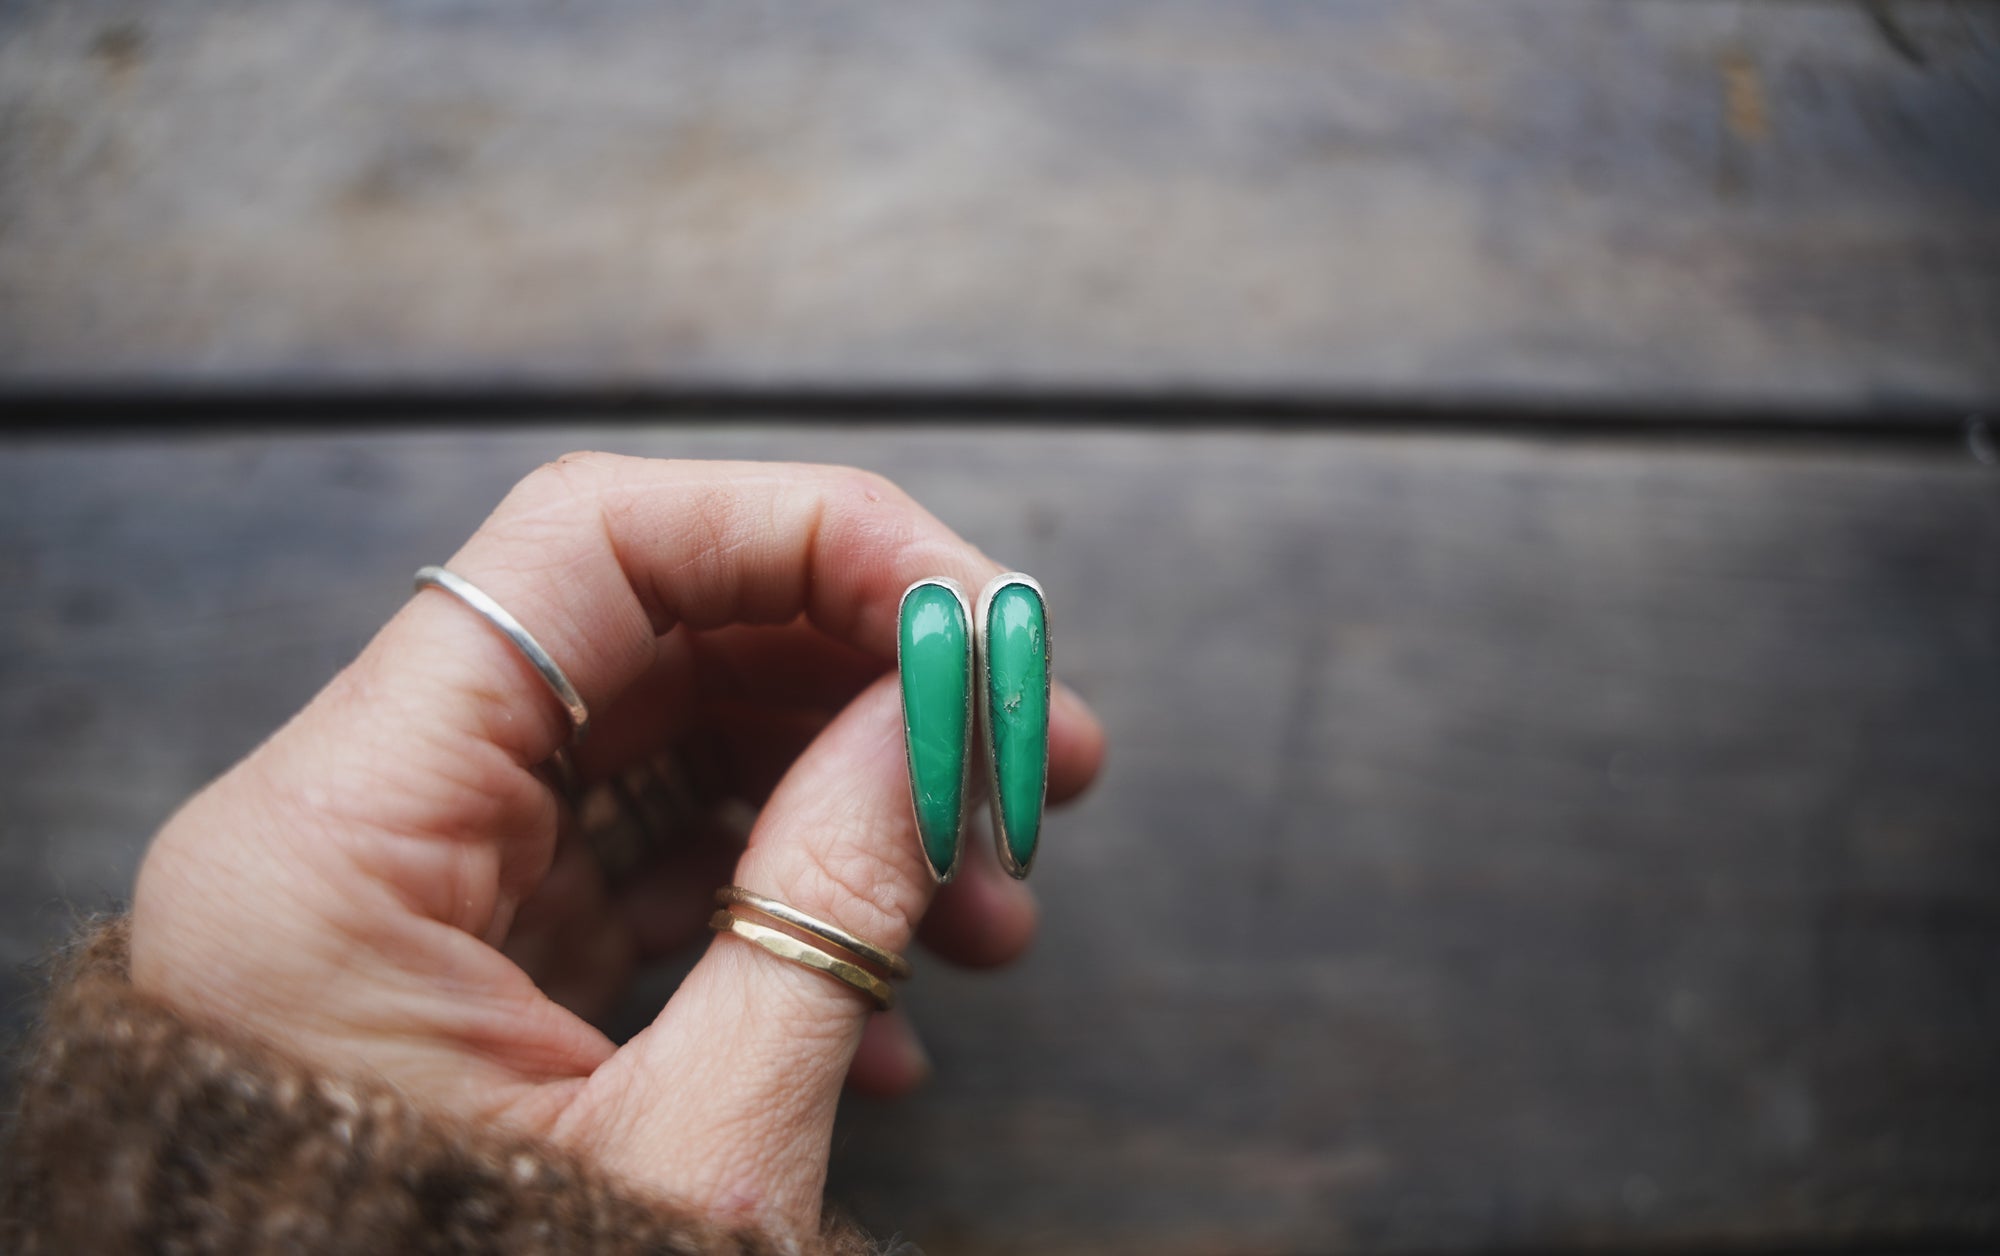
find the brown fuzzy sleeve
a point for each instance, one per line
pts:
(136, 1130)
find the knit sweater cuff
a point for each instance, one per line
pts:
(136, 1129)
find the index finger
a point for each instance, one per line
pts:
(600, 555)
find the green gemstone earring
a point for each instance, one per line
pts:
(934, 653)
(1013, 637)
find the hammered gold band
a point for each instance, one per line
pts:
(888, 961)
(805, 953)
(785, 946)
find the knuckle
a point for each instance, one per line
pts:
(865, 489)
(587, 460)
(872, 484)
(556, 499)
(862, 886)
(865, 512)
(574, 476)
(844, 484)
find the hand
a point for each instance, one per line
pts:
(354, 889)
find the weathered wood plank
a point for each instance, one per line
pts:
(1542, 846)
(1716, 205)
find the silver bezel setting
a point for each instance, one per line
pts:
(1004, 580)
(957, 591)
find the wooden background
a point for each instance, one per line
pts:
(1700, 206)
(1553, 801)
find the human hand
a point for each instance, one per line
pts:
(360, 888)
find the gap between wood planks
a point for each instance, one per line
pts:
(1973, 431)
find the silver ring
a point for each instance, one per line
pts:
(524, 641)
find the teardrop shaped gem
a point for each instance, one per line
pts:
(934, 644)
(1014, 649)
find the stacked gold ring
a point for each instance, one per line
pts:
(807, 954)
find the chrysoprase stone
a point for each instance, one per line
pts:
(1017, 713)
(936, 664)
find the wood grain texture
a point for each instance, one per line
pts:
(1505, 844)
(1734, 204)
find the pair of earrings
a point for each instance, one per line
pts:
(955, 659)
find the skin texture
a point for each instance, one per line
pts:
(384, 884)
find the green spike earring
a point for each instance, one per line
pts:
(934, 661)
(1012, 630)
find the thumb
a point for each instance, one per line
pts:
(728, 1098)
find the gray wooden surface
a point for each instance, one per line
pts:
(1792, 208)
(1506, 844)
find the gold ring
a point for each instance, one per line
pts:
(785, 946)
(888, 961)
